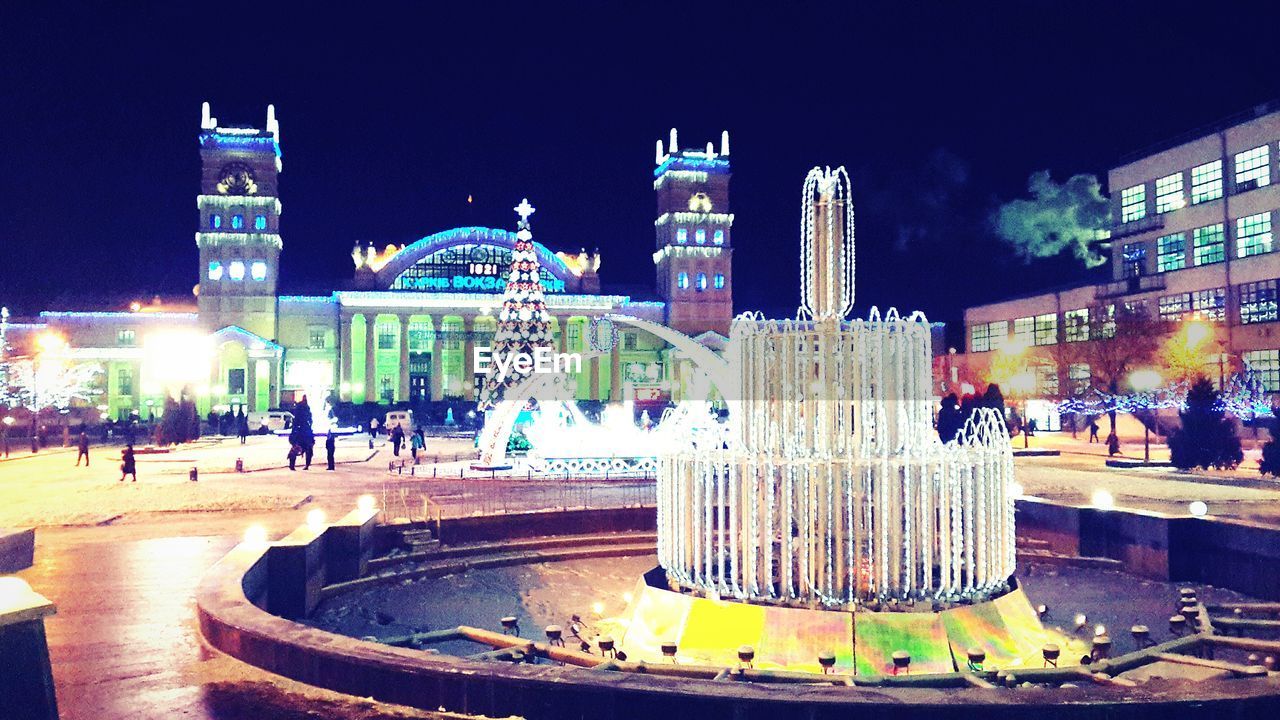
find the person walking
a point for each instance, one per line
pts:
(242, 425)
(82, 445)
(330, 447)
(1113, 444)
(416, 444)
(1093, 431)
(128, 466)
(397, 439)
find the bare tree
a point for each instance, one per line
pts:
(1122, 337)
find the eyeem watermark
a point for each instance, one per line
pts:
(541, 361)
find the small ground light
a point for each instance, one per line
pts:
(1081, 620)
(1042, 611)
(366, 503)
(1103, 500)
(510, 625)
(315, 519)
(255, 535)
(901, 661)
(555, 635)
(669, 648)
(1050, 653)
(977, 656)
(606, 646)
(627, 597)
(1101, 648)
(597, 607)
(827, 659)
(1198, 508)
(1141, 635)
(747, 655)
(1099, 630)
(1177, 624)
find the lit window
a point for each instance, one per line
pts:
(126, 338)
(237, 222)
(258, 270)
(236, 270)
(260, 222)
(215, 270)
(1169, 193)
(1206, 182)
(1076, 324)
(1258, 302)
(124, 381)
(1265, 364)
(1046, 329)
(1024, 331)
(1171, 252)
(1207, 245)
(718, 238)
(682, 235)
(386, 336)
(1047, 379)
(1079, 378)
(1135, 259)
(1252, 168)
(1173, 307)
(719, 281)
(702, 281)
(987, 336)
(700, 236)
(316, 337)
(682, 280)
(1105, 322)
(1209, 304)
(1133, 203)
(215, 222)
(1253, 235)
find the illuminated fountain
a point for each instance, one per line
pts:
(835, 488)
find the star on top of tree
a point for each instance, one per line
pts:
(524, 210)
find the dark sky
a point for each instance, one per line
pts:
(392, 114)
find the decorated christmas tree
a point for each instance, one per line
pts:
(523, 320)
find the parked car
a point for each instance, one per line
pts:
(403, 418)
(270, 421)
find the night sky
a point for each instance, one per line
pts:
(391, 115)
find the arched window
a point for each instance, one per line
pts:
(682, 235)
(718, 238)
(215, 270)
(258, 270)
(236, 270)
(719, 281)
(237, 222)
(700, 236)
(215, 222)
(260, 222)
(682, 280)
(702, 282)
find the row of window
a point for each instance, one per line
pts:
(1259, 302)
(1253, 236)
(237, 222)
(235, 270)
(1252, 170)
(699, 236)
(682, 281)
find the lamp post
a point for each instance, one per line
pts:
(1145, 381)
(1023, 384)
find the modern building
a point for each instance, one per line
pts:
(405, 327)
(1191, 240)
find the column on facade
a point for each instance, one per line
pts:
(345, 385)
(273, 384)
(403, 394)
(593, 388)
(468, 358)
(370, 359)
(251, 384)
(437, 355)
(615, 371)
(563, 340)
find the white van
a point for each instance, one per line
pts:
(403, 418)
(270, 421)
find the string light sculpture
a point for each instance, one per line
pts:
(833, 487)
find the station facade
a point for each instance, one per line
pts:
(405, 327)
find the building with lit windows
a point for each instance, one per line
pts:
(405, 329)
(1192, 240)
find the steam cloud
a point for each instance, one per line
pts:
(1073, 215)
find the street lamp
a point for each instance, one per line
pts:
(1023, 384)
(1145, 381)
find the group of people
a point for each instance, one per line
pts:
(417, 442)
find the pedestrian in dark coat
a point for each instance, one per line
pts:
(83, 446)
(1093, 431)
(242, 426)
(330, 447)
(1113, 444)
(128, 466)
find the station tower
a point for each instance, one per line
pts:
(239, 231)
(693, 233)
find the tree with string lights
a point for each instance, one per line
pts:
(523, 323)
